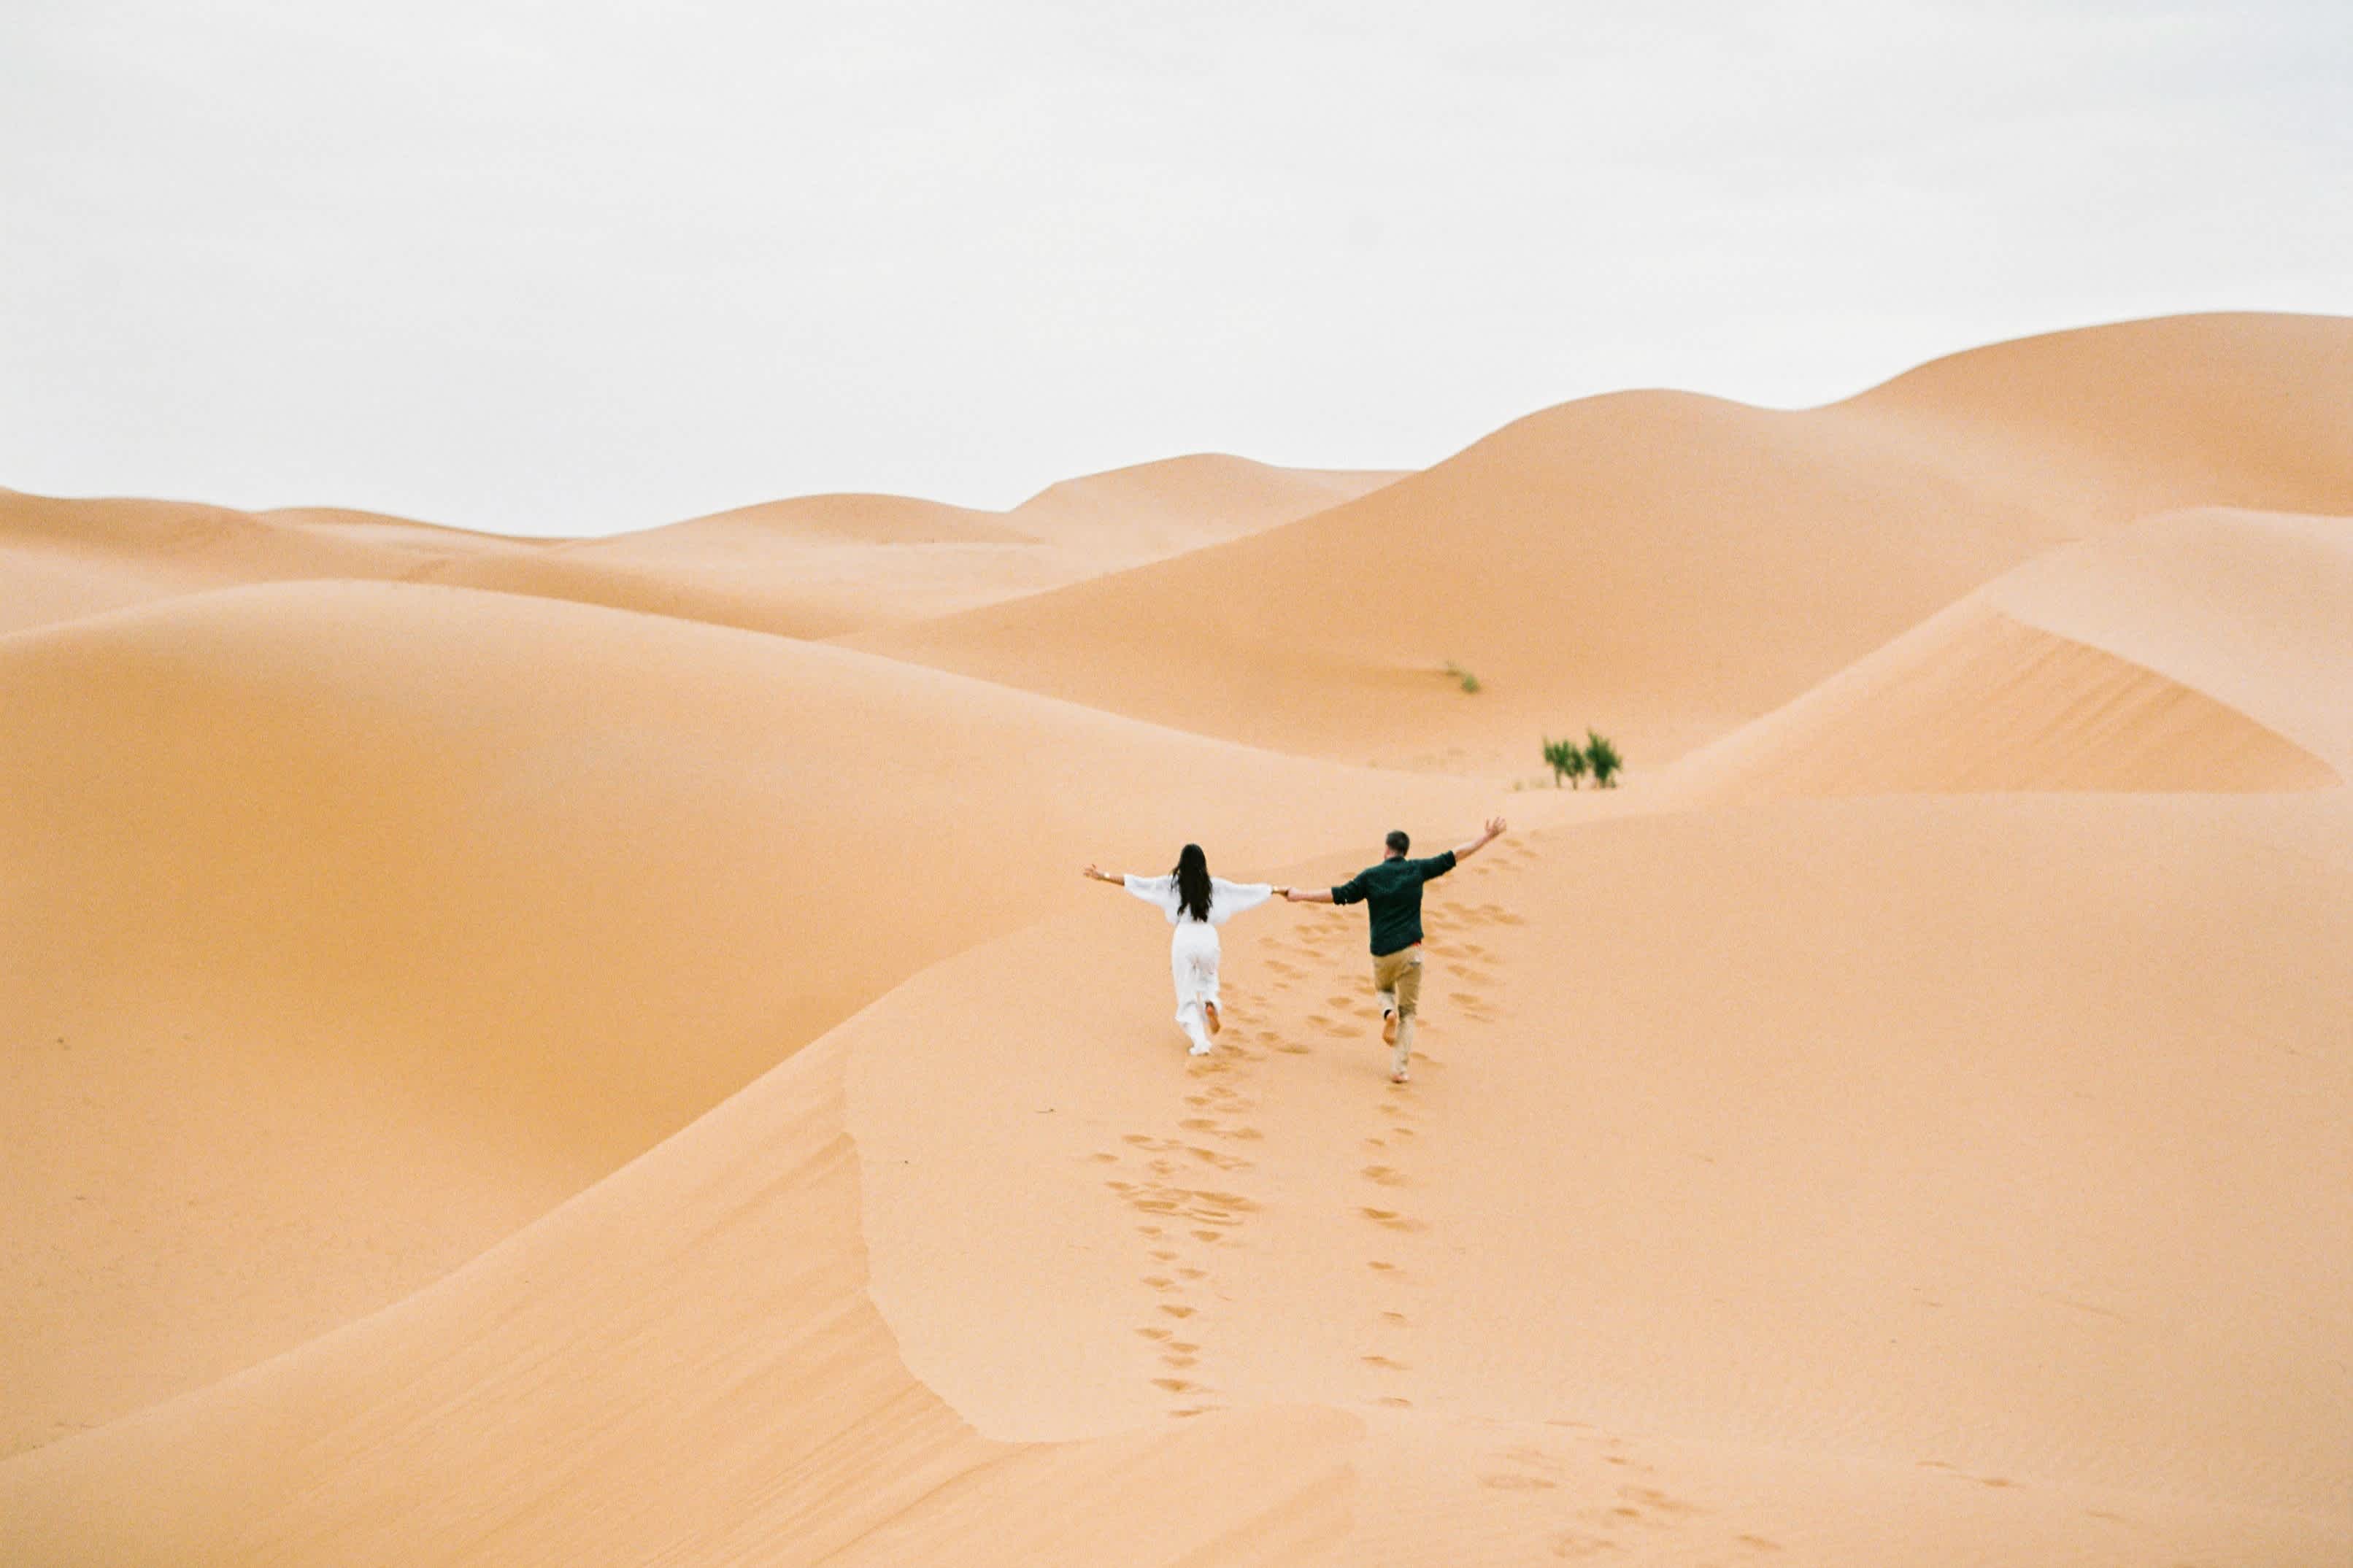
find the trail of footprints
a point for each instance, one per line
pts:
(1184, 1190)
(1183, 1193)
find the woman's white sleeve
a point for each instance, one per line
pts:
(1230, 898)
(1160, 893)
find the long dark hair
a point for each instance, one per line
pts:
(1192, 875)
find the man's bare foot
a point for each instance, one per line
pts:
(1388, 1027)
(1209, 1011)
(1400, 1076)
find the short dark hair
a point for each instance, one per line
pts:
(1398, 841)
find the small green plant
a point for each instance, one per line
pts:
(1603, 759)
(1567, 761)
(1469, 681)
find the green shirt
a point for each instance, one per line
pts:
(1393, 888)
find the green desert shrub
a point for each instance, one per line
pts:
(1567, 761)
(1603, 759)
(1469, 681)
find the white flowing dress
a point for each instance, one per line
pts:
(1193, 950)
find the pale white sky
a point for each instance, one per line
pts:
(571, 268)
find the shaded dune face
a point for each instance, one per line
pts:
(592, 1052)
(2200, 651)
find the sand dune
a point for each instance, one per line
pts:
(1986, 1137)
(1716, 1271)
(61, 560)
(680, 1362)
(825, 567)
(354, 925)
(2194, 651)
(1182, 504)
(504, 1080)
(813, 566)
(1669, 566)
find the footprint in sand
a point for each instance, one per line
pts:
(1574, 1544)
(1392, 1219)
(1659, 1502)
(1508, 1482)
(1382, 1175)
(1384, 1364)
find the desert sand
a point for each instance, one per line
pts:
(593, 1050)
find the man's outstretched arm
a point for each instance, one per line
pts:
(1351, 891)
(1494, 830)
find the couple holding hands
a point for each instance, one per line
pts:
(1197, 904)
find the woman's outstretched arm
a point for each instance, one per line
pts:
(1230, 898)
(1094, 873)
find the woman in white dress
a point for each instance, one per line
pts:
(1197, 904)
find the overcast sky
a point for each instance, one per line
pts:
(571, 268)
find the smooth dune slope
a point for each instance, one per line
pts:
(681, 1365)
(1668, 566)
(347, 927)
(1995, 1144)
(828, 565)
(61, 560)
(2243, 407)
(1182, 504)
(812, 566)
(2193, 651)
(1716, 1275)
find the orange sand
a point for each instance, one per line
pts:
(594, 1051)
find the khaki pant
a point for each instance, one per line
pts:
(1398, 977)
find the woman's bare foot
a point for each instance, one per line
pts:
(1209, 1011)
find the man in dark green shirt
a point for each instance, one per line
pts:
(1392, 894)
